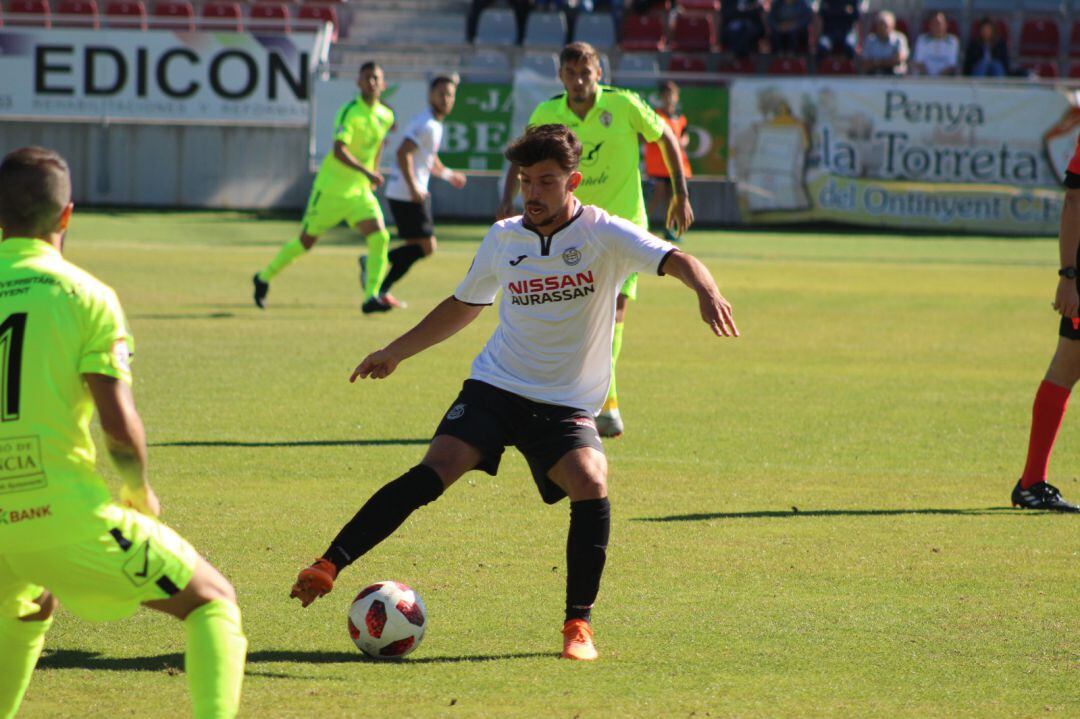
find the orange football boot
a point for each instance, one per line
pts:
(577, 641)
(314, 581)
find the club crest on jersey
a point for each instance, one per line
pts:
(456, 411)
(605, 118)
(571, 256)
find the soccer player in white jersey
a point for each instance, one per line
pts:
(407, 187)
(541, 376)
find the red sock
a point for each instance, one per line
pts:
(1046, 416)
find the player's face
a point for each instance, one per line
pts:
(669, 99)
(548, 192)
(580, 78)
(442, 98)
(371, 84)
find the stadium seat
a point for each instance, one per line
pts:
(269, 17)
(597, 29)
(692, 33)
(735, 66)
(687, 63)
(836, 66)
(701, 6)
(644, 33)
(545, 29)
(1044, 69)
(497, 26)
(788, 66)
(545, 64)
(1074, 40)
(1039, 37)
(1074, 70)
(222, 16)
(29, 13)
(125, 14)
(312, 15)
(76, 13)
(487, 66)
(176, 15)
(642, 67)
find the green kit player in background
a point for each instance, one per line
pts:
(608, 121)
(65, 349)
(344, 189)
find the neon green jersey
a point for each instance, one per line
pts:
(362, 127)
(610, 154)
(57, 323)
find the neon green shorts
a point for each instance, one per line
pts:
(629, 287)
(326, 210)
(134, 559)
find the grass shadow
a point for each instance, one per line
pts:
(294, 443)
(186, 316)
(795, 512)
(79, 659)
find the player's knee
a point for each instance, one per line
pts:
(46, 606)
(429, 246)
(588, 485)
(308, 241)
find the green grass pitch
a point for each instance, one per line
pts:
(810, 521)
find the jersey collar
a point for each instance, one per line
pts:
(545, 240)
(592, 110)
(27, 246)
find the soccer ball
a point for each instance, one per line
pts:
(387, 620)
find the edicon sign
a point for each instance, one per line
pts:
(157, 75)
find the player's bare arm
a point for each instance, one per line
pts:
(680, 214)
(1066, 301)
(510, 190)
(715, 310)
(456, 179)
(341, 152)
(447, 319)
(125, 440)
(405, 153)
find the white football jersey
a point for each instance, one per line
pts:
(557, 311)
(427, 133)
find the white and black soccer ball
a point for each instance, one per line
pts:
(387, 620)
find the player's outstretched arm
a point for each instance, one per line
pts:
(680, 214)
(510, 189)
(1066, 300)
(715, 310)
(447, 319)
(125, 440)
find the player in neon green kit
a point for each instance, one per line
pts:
(65, 347)
(608, 122)
(344, 191)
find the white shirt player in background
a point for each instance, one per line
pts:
(407, 187)
(541, 376)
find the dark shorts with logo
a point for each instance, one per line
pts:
(413, 219)
(1069, 328)
(492, 419)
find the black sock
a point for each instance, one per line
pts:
(586, 551)
(401, 259)
(383, 513)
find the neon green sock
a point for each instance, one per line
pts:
(378, 247)
(285, 257)
(214, 660)
(20, 647)
(616, 347)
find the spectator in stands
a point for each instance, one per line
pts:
(987, 54)
(742, 26)
(884, 51)
(789, 26)
(836, 35)
(476, 7)
(937, 51)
